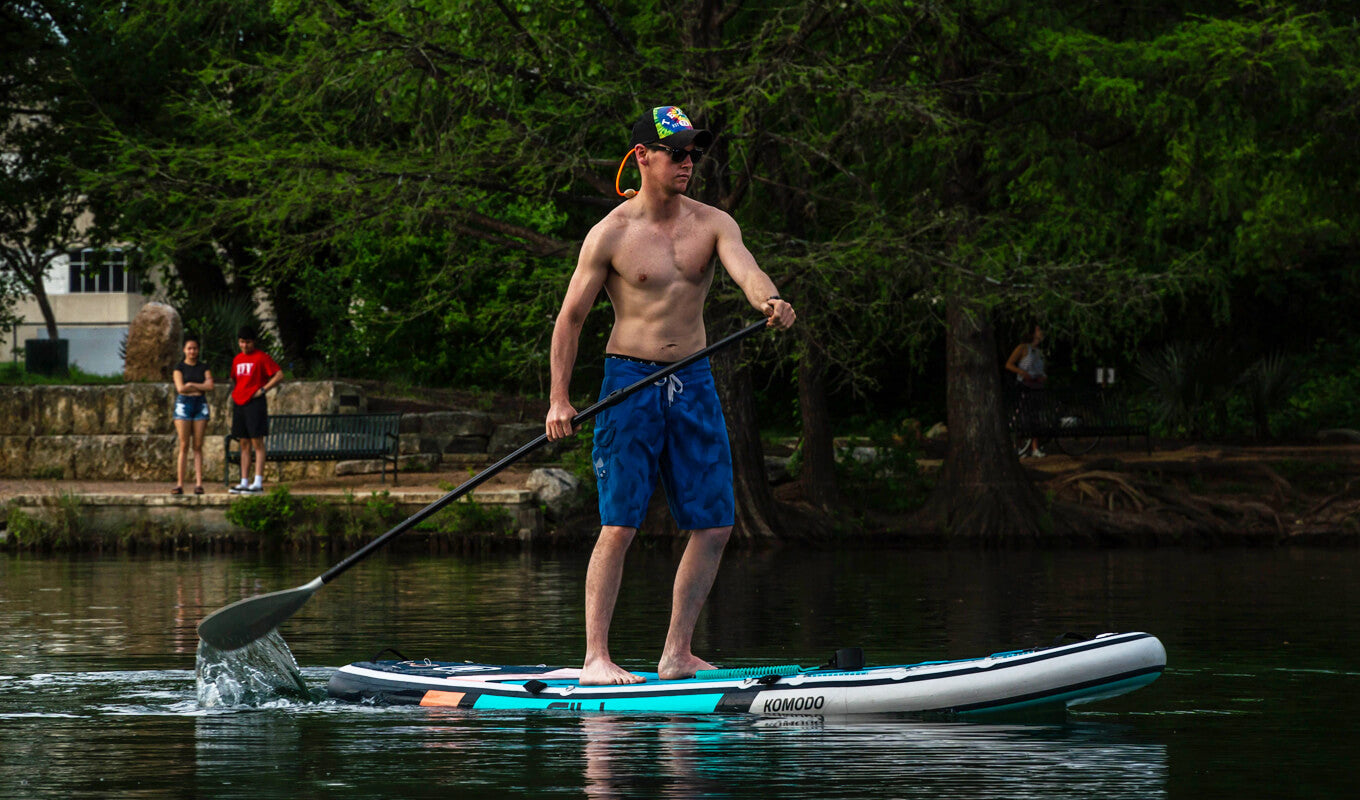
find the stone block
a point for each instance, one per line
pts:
(149, 458)
(97, 458)
(302, 397)
(346, 398)
(14, 456)
(408, 443)
(419, 462)
(87, 410)
(457, 423)
(466, 444)
(18, 410)
(148, 408)
(411, 423)
(53, 457)
(55, 411)
(219, 411)
(510, 436)
(110, 399)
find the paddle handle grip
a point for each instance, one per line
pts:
(613, 398)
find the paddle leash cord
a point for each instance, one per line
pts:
(627, 194)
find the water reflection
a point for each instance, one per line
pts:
(688, 757)
(97, 692)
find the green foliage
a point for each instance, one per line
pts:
(24, 529)
(216, 321)
(467, 516)
(1322, 398)
(274, 512)
(880, 470)
(57, 529)
(13, 374)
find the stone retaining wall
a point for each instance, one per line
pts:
(124, 432)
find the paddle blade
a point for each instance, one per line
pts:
(242, 622)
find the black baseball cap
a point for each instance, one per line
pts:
(668, 125)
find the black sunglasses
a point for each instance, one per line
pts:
(678, 155)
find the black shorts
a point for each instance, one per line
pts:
(250, 421)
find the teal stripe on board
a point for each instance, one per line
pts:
(686, 703)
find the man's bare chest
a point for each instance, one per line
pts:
(651, 258)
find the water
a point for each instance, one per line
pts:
(98, 695)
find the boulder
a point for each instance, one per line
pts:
(555, 488)
(153, 344)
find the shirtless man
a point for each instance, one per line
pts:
(653, 255)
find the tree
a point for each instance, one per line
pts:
(40, 201)
(386, 163)
(408, 181)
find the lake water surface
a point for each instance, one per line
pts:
(1260, 699)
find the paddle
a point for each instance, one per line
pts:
(244, 621)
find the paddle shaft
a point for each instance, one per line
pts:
(611, 399)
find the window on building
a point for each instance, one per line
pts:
(101, 271)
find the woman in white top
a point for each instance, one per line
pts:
(1027, 362)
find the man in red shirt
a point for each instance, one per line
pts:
(253, 373)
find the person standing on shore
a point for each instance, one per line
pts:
(1027, 362)
(254, 373)
(192, 383)
(653, 256)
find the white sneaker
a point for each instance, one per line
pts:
(253, 489)
(240, 488)
(1037, 453)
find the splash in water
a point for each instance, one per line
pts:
(260, 672)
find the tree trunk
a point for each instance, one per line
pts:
(983, 493)
(819, 456)
(45, 305)
(757, 513)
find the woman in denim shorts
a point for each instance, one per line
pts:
(192, 383)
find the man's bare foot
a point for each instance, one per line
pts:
(674, 668)
(606, 673)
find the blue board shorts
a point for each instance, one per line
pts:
(191, 407)
(674, 428)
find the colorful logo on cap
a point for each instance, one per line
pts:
(670, 120)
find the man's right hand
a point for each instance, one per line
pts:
(558, 426)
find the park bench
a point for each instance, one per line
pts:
(326, 437)
(1077, 420)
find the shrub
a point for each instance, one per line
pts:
(276, 511)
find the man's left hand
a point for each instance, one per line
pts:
(780, 313)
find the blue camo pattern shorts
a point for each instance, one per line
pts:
(191, 407)
(675, 427)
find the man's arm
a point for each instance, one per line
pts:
(274, 380)
(760, 291)
(592, 267)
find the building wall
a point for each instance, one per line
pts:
(95, 323)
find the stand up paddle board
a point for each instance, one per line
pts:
(1062, 675)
